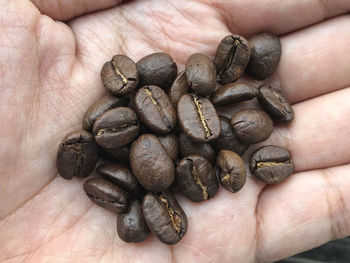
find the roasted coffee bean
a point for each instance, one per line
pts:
(234, 92)
(164, 217)
(196, 178)
(231, 59)
(189, 147)
(131, 226)
(271, 164)
(77, 155)
(116, 155)
(120, 75)
(251, 126)
(171, 145)
(275, 104)
(157, 69)
(151, 164)
(121, 176)
(265, 56)
(116, 128)
(155, 110)
(106, 194)
(200, 74)
(228, 139)
(178, 88)
(232, 172)
(101, 106)
(198, 118)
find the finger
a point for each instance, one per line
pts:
(307, 210)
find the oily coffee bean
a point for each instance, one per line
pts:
(116, 128)
(131, 225)
(155, 110)
(171, 145)
(77, 155)
(101, 106)
(189, 147)
(196, 178)
(121, 176)
(106, 194)
(234, 92)
(231, 59)
(228, 139)
(164, 217)
(251, 126)
(198, 118)
(271, 164)
(265, 56)
(275, 104)
(157, 69)
(151, 164)
(232, 172)
(120, 75)
(200, 74)
(116, 155)
(178, 88)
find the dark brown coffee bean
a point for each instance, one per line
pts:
(228, 139)
(196, 178)
(265, 56)
(231, 59)
(116, 128)
(200, 74)
(120, 75)
(232, 172)
(116, 155)
(157, 69)
(151, 164)
(101, 106)
(189, 147)
(275, 104)
(271, 164)
(77, 155)
(251, 126)
(198, 118)
(155, 110)
(106, 194)
(164, 217)
(234, 92)
(171, 145)
(131, 226)
(178, 88)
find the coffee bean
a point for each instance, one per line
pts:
(228, 139)
(200, 74)
(234, 92)
(275, 104)
(265, 56)
(157, 69)
(77, 155)
(178, 88)
(196, 178)
(116, 128)
(198, 118)
(120, 75)
(271, 164)
(155, 110)
(131, 225)
(232, 172)
(171, 145)
(251, 126)
(189, 147)
(116, 155)
(231, 59)
(106, 194)
(164, 217)
(101, 106)
(151, 164)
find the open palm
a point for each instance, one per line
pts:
(49, 75)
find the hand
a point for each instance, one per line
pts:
(49, 75)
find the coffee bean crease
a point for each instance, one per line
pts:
(201, 116)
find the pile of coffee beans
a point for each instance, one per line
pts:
(159, 132)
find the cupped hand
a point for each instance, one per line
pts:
(49, 75)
